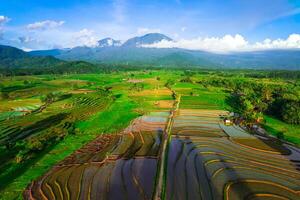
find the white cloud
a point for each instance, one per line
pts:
(229, 43)
(292, 42)
(26, 39)
(85, 37)
(3, 19)
(26, 49)
(43, 25)
(143, 30)
(183, 29)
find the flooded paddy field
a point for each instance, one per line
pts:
(208, 160)
(204, 159)
(114, 166)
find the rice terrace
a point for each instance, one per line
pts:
(149, 100)
(138, 135)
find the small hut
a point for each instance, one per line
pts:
(227, 122)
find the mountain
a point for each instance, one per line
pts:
(146, 39)
(109, 42)
(271, 59)
(11, 57)
(51, 52)
(132, 52)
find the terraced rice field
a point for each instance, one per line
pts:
(205, 160)
(116, 166)
(208, 160)
(14, 127)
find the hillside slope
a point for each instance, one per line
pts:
(11, 57)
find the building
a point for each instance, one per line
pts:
(227, 122)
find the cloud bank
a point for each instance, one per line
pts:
(43, 25)
(85, 37)
(229, 43)
(3, 19)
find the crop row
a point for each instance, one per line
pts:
(204, 165)
(114, 166)
(205, 123)
(122, 179)
(14, 129)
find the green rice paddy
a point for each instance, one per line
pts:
(54, 118)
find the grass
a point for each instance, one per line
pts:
(196, 96)
(275, 126)
(111, 120)
(14, 189)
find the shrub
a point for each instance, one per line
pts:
(280, 135)
(35, 145)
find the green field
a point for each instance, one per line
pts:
(46, 118)
(290, 132)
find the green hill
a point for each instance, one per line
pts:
(11, 57)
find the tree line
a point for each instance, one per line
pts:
(252, 98)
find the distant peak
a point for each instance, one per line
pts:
(109, 42)
(149, 38)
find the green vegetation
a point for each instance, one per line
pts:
(282, 130)
(30, 139)
(112, 119)
(68, 145)
(254, 97)
(45, 118)
(11, 57)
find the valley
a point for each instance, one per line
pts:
(150, 100)
(150, 134)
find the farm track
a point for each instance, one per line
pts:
(160, 185)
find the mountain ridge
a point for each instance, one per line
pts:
(11, 57)
(109, 42)
(149, 38)
(132, 52)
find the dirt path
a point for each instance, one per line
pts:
(161, 180)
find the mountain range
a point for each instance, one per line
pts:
(111, 51)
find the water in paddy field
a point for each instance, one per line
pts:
(205, 160)
(230, 163)
(122, 166)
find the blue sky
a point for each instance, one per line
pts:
(41, 24)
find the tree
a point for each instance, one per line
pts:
(169, 83)
(49, 98)
(35, 145)
(186, 79)
(291, 112)
(280, 135)
(26, 82)
(5, 95)
(266, 93)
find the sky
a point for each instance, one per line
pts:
(212, 25)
